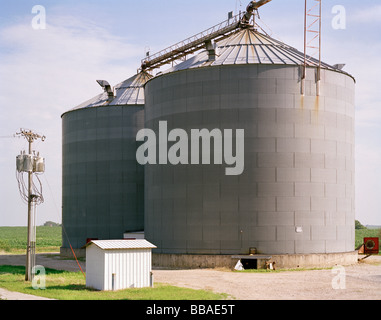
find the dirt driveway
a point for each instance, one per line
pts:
(361, 282)
(358, 282)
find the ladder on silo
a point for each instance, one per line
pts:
(312, 40)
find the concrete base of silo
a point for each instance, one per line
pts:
(193, 261)
(292, 261)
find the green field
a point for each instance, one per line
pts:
(14, 239)
(49, 239)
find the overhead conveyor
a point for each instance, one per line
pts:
(203, 39)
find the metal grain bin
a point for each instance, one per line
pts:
(296, 194)
(103, 185)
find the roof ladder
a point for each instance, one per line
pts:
(312, 40)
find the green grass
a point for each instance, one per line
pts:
(63, 285)
(14, 239)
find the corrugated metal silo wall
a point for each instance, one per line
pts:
(299, 163)
(103, 185)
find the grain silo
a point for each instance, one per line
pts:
(103, 186)
(295, 198)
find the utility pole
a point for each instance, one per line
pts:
(30, 137)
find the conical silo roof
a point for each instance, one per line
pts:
(128, 92)
(248, 46)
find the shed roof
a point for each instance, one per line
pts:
(122, 244)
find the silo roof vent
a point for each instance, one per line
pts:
(128, 92)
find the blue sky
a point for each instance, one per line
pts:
(44, 73)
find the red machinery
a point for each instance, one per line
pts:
(371, 245)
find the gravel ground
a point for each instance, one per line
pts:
(362, 281)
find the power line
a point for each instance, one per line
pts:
(37, 195)
(63, 228)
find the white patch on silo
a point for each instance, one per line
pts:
(178, 153)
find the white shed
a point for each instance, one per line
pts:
(118, 264)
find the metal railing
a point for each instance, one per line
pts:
(191, 44)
